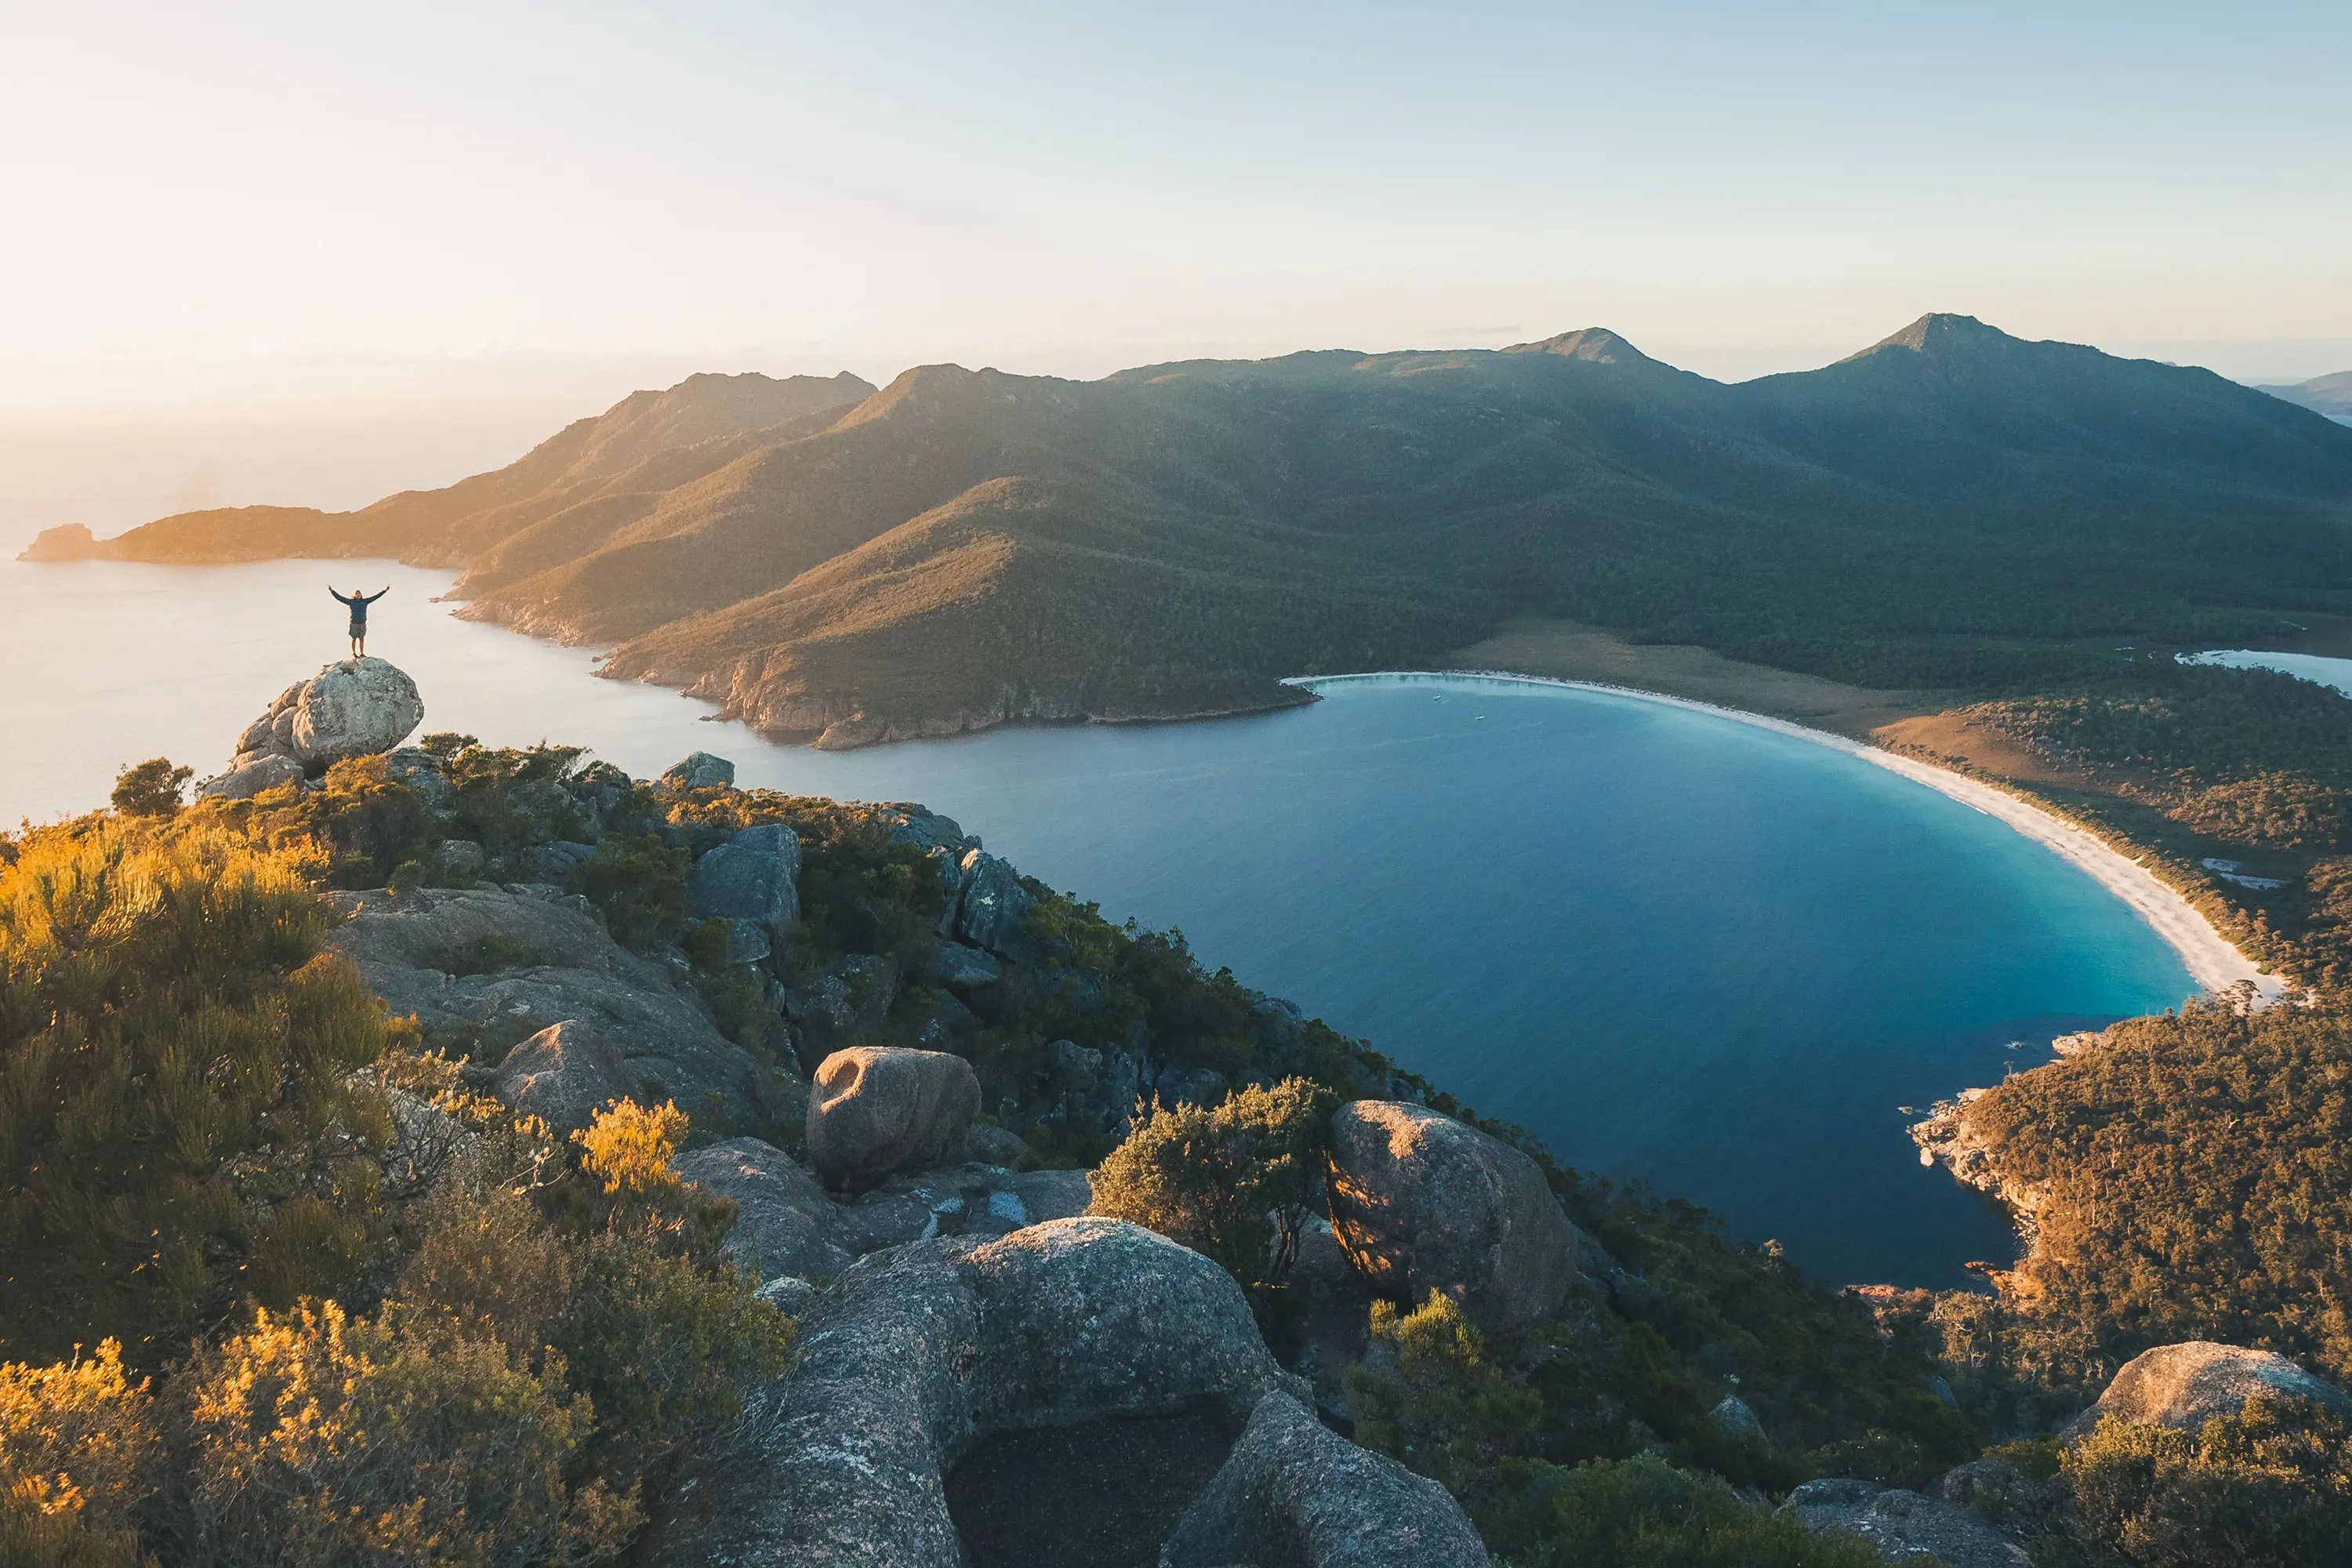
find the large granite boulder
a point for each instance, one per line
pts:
(1293, 1491)
(873, 1110)
(699, 769)
(480, 964)
(753, 879)
(915, 1354)
(2185, 1386)
(353, 708)
(1423, 1202)
(563, 1075)
(784, 1224)
(970, 1199)
(1902, 1525)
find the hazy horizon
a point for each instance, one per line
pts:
(288, 254)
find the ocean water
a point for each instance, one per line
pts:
(1680, 949)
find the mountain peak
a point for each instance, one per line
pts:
(1597, 344)
(1941, 332)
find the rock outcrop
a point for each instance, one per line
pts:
(915, 1353)
(699, 770)
(784, 1224)
(352, 707)
(2185, 1386)
(1902, 1525)
(489, 963)
(752, 881)
(66, 541)
(873, 1110)
(1294, 1491)
(1423, 1202)
(992, 906)
(563, 1075)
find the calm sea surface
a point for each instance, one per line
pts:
(1679, 947)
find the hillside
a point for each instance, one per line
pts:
(2329, 395)
(1952, 509)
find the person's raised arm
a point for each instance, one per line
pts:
(379, 593)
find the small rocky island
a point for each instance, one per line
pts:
(1082, 1254)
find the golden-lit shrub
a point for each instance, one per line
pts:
(314, 1437)
(1428, 1394)
(628, 1147)
(78, 1451)
(179, 1121)
(2271, 1487)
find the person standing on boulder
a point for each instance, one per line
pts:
(359, 603)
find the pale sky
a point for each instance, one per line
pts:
(424, 204)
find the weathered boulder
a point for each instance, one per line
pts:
(267, 771)
(784, 1224)
(1902, 1525)
(699, 770)
(994, 906)
(2001, 1494)
(989, 1144)
(1735, 1419)
(963, 968)
(479, 963)
(753, 879)
(2185, 1386)
(355, 708)
(1294, 1491)
(1423, 1202)
(563, 1075)
(915, 1354)
(873, 1110)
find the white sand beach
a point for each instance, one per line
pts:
(2210, 957)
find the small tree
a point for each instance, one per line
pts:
(151, 788)
(1234, 1182)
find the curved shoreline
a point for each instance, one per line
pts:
(2211, 960)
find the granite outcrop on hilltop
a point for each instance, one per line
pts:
(352, 707)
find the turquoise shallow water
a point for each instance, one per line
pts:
(1679, 947)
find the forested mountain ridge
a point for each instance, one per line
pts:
(1951, 508)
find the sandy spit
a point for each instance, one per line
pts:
(2210, 957)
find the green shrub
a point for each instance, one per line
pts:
(1643, 1513)
(638, 884)
(1427, 1395)
(151, 788)
(179, 1125)
(2268, 1489)
(1233, 1183)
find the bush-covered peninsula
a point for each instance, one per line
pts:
(505, 1272)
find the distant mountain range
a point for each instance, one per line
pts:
(2329, 394)
(1952, 507)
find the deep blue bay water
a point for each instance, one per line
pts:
(1679, 948)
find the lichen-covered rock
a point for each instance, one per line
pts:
(248, 779)
(845, 1003)
(1737, 1420)
(1423, 1202)
(1081, 1318)
(355, 708)
(873, 1110)
(1902, 1525)
(989, 1144)
(965, 968)
(784, 1222)
(994, 907)
(753, 879)
(1293, 1491)
(563, 1075)
(699, 770)
(915, 1353)
(479, 964)
(970, 1199)
(2185, 1386)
